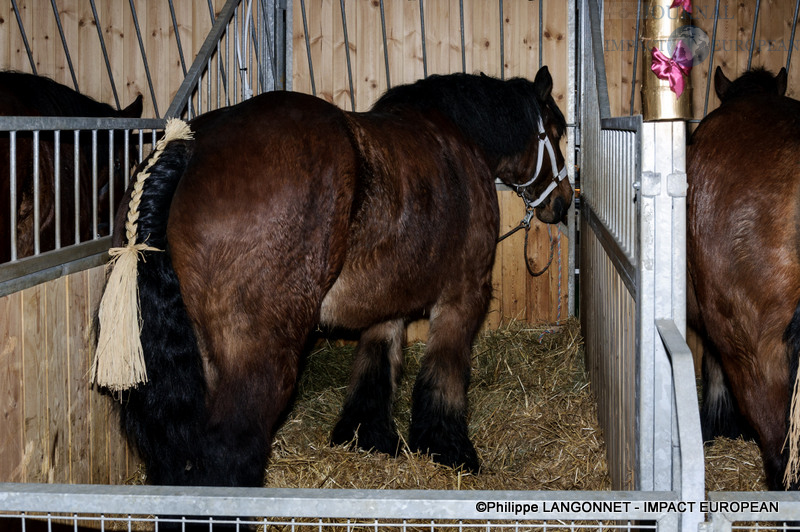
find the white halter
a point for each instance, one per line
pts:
(544, 142)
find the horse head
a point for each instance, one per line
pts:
(538, 173)
(756, 81)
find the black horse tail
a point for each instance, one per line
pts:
(164, 418)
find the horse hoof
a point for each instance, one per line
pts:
(368, 437)
(467, 460)
(457, 455)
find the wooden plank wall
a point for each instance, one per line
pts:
(54, 427)
(517, 295)
(734, 33)
(80, 31)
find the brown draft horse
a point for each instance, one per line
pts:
(744, 260)
(28, 95)
(285, 212)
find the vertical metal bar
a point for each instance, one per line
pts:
(308, 47)
(179, 44)
(36, 195)
(347, 55)
(76, 155)
(235, 75)
(711, 58)
(57, 185)
(24, 36)
(177, 35)
(502, 43)
(541, 30)
(385, 45)
(422, 31)
(64, 44)
(12, 183)
(126, 169)
(94, 183)
(111, 176)
(753, 35)
(270, 54)
(144, 57)
(99, 28)
(636, 47)
(791, 39)
(221, 66)
(463, 44)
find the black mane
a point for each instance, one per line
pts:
(499, 116)
(50, 98)
(756, 81)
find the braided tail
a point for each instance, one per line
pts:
(119, 360)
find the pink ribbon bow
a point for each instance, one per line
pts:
(673, 69)
(685, 4)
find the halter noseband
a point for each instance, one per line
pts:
(544, 142)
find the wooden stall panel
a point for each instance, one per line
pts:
(56, 428)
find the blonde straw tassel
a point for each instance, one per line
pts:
(792, 473)
(119, 360)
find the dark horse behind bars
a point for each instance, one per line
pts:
(28, 95)
(744, 260)
(285, 212)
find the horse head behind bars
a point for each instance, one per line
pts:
(285, 212)
(743, 257)
(28, 95)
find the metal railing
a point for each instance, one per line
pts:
(245, 53)
(322, 509)
(633, 206)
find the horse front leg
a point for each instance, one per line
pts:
(439, 401)
(367, 412)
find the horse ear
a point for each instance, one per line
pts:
(134, 110)
(543, 83)
(780, 81)
(721, 83)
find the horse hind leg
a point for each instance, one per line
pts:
(367, 413)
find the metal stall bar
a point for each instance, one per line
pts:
(326, 508)
(691, 474)
(308, 46)
(105, 53)
(761, 510)
(24, 36)
(144, 57)
(198, 77)
(753, 35)
(347, 57)
(64, 44)
(385, 47)
(57, 259)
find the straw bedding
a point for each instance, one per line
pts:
(533, 422)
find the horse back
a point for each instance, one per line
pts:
(425, 216)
